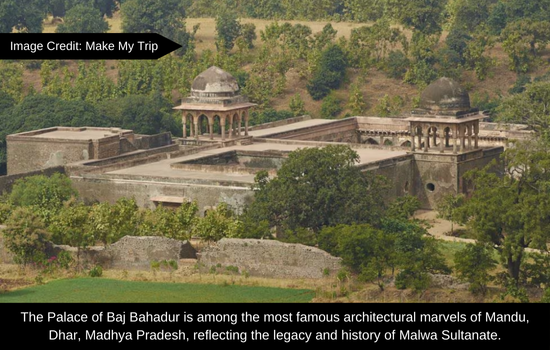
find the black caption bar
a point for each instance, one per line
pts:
(143, 46)
(387, 326)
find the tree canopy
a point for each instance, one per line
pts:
(317, 187)
(83, 19)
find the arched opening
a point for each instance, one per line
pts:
(203, 125)
(371, 141)
(406, 187)
(388, 142)
(406, 144)
(447, 132)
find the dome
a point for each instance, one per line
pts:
(214, 82)
(445, 94)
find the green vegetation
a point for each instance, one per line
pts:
(99, 290)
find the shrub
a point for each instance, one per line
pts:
(96, 271)
(331, 107)
(473, 264)
(396, 65)
(329, 73)
(25, 236)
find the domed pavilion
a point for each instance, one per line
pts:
(215, 98)
(444, 114)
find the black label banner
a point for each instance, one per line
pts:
(67, 46)
(387, 326)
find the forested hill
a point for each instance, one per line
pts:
(327, 58)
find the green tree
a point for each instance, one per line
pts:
(218, 223)
(473, 264)
(510, 211)
(70, 226)
(83, 19)
(331, 107)
(24, 16)
(522, 41)
(166, 222)
(165, 17)
(329, 73)
(356, 100)
(45, 194)
(424, 16)
(447, 208)
(25, 235)
(318, 187)
(297, 105)
(228, 29)
(529, 107)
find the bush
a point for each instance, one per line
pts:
(329, 73)
(331, 107)
(396, 65)
(25, 236)
(96, 271)
(473, 264)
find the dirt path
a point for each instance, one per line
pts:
(440, 227)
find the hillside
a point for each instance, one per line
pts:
(500, 79)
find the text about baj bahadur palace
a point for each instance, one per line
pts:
(365, 326)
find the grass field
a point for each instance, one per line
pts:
(102, 290)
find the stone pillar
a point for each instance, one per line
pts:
(238, 125)
(426, 139)
(441, 139)
(455, 136)
(476, 132)
(197, 128)
(470, 136)
(245, 123)
(413, 141)
(211, 127)
(222, 127)
(184, 119)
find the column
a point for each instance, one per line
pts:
(476, 132)
(441, 139)
(462, 138)
(455, 136)
(197, 127)
(413, 141)
(211, 126)
(426, 139)
(245, 114)
(435, 137)
(238, 125)
(184, 119)
(470, 136)
(222, 126)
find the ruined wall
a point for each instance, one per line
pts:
(106, 147)
(267, 258)
(470, 164)
(436, 177)
(26, 154)
(102, 188)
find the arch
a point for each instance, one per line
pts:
(371, 141)
(388, 142)
(203, 124)
(406, 144)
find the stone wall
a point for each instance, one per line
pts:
(26, 154)
(142, 189)
(267, 258)
(7, 181)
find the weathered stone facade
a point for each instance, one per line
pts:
(267, 258)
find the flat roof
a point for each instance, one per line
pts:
(162, 168)
(289, 127)
(86, 134)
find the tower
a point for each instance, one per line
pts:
(444, 142)
(215, 96)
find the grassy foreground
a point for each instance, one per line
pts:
(96, 290)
